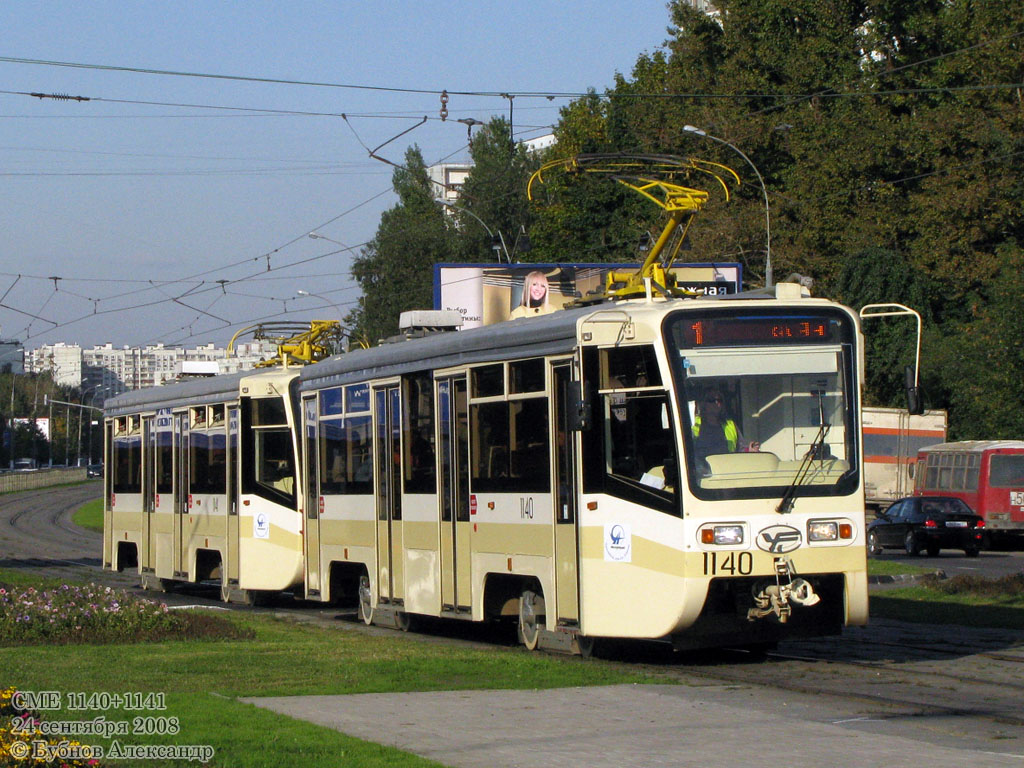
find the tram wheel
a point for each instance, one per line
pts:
(405, 621)
(365, 600)
(531, 613)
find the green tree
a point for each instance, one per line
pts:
(494, 193)
(982, 359)
(395, 270)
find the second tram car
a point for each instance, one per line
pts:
(676, 469)
(200, 484)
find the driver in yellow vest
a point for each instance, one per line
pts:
(714, 432)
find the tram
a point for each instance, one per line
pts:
(181, 505)
(654, 465)
(551, 469)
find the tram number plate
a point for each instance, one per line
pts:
(731, 563)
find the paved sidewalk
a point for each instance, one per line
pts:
(705, 726)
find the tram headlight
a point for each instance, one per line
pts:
(722, 535)
(829, 530)
(822, 530)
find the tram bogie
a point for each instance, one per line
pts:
(686, 470)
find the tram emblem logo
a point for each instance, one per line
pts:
(779, 539)
(618, 543)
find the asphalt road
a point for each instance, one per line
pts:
(992, 565)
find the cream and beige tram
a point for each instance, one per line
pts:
(200, 484)
(552, 470)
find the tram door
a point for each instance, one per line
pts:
(388, 415)
(311, 500)
(181, 495)
(232, 517)
(148, 533)
(566, 572)
(453, 420)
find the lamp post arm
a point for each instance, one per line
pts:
(768, 277)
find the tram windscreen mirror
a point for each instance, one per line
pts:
(915, 406)
(579, 407)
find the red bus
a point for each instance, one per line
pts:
(987, 474)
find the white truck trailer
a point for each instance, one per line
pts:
(892, 438)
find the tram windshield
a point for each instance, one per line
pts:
(767, 402)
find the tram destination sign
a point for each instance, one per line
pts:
(757, 330)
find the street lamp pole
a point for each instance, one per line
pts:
(767, 215)
(500, 239)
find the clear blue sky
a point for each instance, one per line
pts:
(112, 193)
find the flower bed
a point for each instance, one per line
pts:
(81, 614)
(13, 745)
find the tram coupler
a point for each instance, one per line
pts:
(779, 598)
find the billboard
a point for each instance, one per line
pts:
(42, 422)
(484, 293)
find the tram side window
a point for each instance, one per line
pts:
(346, 458)
(510, 447)
(418, 464)
(207, 462)
(127, 464)
(164, 462)
(273, 454)
(269, 464)
(630, 452)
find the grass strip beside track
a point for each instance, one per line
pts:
(201, 680)
(967, 600)
(895, 568)
(90, 515)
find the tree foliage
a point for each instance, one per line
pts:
(888, 133)
(395, 270)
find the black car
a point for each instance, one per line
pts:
(94, 470)
(930, 523)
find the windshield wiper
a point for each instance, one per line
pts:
(786, 504)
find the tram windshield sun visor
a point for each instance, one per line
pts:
(763, 418)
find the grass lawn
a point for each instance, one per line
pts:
(968, 600)
(201, 680)
(895, 568)
(90, 515)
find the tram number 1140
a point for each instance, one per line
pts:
(732, 563)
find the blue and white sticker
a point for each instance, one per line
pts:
(618, 543)
(261, 526)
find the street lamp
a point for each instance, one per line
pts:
(301, 292)
(318, 236)
(497, 243)
(767, 215)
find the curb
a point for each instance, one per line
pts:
(905, 578)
